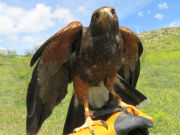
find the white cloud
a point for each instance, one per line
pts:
(7, 26)
(149, 12)
(36, 19)
(174, 23)
(1, 48)
(22, 26)
(16, 20)
(63, 15)
(83, 10)
(163, 5)
(159, 16)
(31, 40)
(140, 13)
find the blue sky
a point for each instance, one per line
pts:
(25, 24)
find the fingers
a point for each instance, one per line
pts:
(125, 123)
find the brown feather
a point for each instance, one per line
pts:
(51, 75)
(133, 49)
(59, 45)
(81, 90)
(130, 42)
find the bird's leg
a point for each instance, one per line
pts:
(81, 90)
(109, 82)
(89, 122)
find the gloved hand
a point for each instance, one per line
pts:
(120, 123)
(126, 124)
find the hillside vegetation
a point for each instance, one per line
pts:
(159, 81)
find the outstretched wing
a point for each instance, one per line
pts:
(133, 49)
(126, 81)
(51, 75)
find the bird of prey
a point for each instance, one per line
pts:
(98, 59)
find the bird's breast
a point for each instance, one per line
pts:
(98, 59)
(95, 72)
(98, 96)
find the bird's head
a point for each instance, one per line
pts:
(104, 20)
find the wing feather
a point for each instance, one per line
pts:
(55, 45)
(51, 75)
(129, 72)
(133, 49)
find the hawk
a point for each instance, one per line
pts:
(101, 60)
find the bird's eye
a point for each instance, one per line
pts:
(96, 14)
(113, 11)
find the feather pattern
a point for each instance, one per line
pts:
(51, 75)
(124, 84)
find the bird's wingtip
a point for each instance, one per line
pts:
(146, 101)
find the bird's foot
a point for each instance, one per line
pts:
(133, 110)
(89, 123)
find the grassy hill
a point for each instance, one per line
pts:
(159, 80)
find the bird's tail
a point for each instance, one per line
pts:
(75, 116)
(129, 94)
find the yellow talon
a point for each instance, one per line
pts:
(133, 110)
(89, 122)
